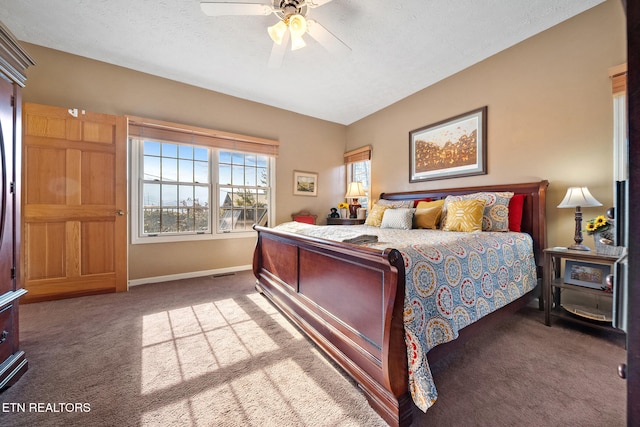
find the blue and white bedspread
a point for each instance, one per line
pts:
(452, 280)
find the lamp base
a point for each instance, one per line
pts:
(353, 209)
(579, 248)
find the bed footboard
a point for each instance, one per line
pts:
(349, 301)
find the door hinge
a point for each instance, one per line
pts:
(13, 272)
(13, 100)
(12, 187)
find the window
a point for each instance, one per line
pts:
(358, 164)
(198, 190)
(243, 182)
(175, 189)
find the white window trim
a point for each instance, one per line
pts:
(135, 212)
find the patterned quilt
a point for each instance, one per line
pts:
(452, 280)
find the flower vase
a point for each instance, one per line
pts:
(603, 241)
(344, 213)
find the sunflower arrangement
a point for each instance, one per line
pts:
(597, 224)
(343, 205)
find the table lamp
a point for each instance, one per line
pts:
(354, 191)
(578, 197)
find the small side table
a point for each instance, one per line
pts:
(553, 280)
(344, 221)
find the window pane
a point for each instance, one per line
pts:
(238, 175)
(225, 157)
(169, 150)
(151, 168)
(250, 177)
(224, 175)
(186, 195)
(201, 154)
(185, 171)
(151, 220)
(263, 161)
(169, 195)
(201, 172)
(169, 169)
(151, 148)
(185, 152)
(262, 177)
(169, 220)
(237, 158)
(151, 195)
(250, 159)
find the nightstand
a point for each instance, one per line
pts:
(344, 221)
(587, 268)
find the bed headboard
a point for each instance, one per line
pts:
(533, 214)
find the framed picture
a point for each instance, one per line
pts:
(449, 149)
(305, 183)
(586, 274)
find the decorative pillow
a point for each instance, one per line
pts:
(375, 215)
(496, 209)
(415, 202)
(516, 206)
(422, 204)
(464, 215)
(396, 203)
(427, 217)
(401, 218)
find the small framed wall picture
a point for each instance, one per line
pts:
(586, 274)
(305, 183)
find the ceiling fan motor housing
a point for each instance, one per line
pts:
(283, 9)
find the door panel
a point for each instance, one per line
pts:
(74, 187)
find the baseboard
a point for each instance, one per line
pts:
(190, 275)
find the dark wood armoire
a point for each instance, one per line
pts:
(13, 64)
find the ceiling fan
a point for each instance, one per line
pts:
(293, 24)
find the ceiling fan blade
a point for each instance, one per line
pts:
(226, 8)
(278, 51)
(316, 3)
(330, 42)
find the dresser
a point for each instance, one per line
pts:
(13, 64)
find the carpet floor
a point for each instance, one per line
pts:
(211, 351)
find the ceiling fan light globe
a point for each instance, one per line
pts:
(276, 32)
(297, 42)
(297, 25)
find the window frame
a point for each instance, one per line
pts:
(359, 155)
(214, 142)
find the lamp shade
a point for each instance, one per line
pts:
(578, 197)
(355, 190)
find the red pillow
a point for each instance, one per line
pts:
(516, 205)
(415, 202)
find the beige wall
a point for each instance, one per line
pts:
(306, 144)
(549, 116)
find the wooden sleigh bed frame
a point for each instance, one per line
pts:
(349, 299)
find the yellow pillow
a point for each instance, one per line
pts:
(375, 216)
(464, 215)
(424, 205)
(427, 217)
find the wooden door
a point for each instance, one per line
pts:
(74, 203)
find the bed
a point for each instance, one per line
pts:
(349, 298)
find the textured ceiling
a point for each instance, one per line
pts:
(398, 47)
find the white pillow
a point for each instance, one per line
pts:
(401, 218)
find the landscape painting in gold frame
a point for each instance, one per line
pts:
(305, 183)
(450, 148)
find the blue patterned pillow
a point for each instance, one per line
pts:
(396, 203)
(401, 218)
